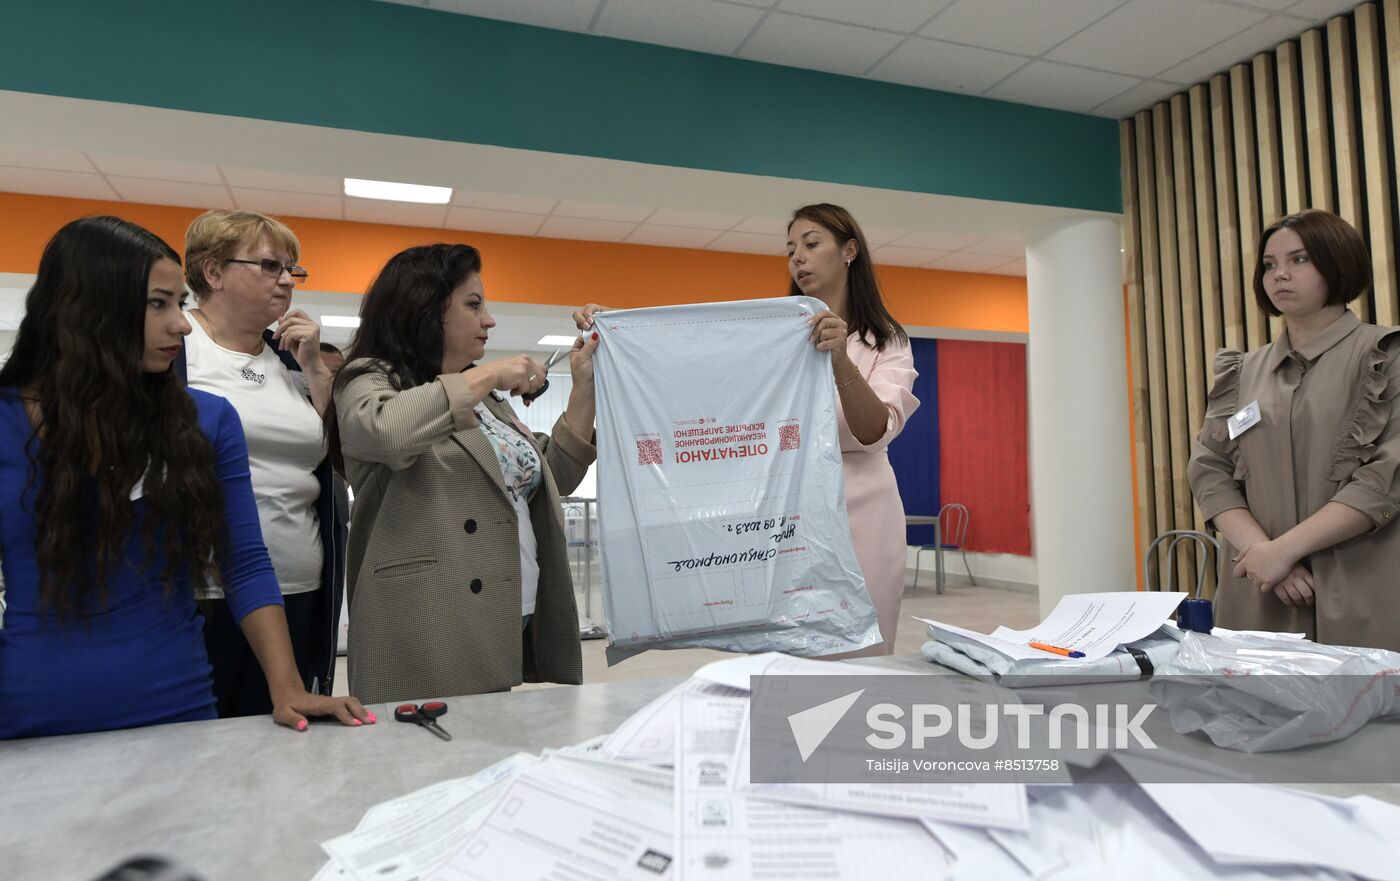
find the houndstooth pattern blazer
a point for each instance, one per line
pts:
(434, 557)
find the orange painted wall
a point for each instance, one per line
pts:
(344, 256)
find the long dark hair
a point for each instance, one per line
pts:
(401, 315)
(868, 319)
(104, 423)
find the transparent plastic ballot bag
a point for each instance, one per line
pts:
(721, 504)
(1258, 693)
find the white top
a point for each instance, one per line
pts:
(520, 467)
(286, 441)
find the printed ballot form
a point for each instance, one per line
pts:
(721, 500)
(723, 833)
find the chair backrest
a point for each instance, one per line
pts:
(1167, 543)
(953, 520)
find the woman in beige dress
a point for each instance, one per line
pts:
(1296, 464)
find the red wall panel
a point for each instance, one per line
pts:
(983, 441)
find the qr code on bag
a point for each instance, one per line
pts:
(649, 452)
(789, 437)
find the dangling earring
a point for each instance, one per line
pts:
(848, 264)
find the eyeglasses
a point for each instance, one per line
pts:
(275, 268)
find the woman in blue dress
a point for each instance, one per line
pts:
(118, 487)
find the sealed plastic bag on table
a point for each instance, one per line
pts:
(721, 504)
(1261, 693)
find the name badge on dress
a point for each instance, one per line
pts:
(1244, 420)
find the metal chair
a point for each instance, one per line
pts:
(950, 534)
(1205, 542)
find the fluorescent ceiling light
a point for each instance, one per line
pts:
(556, 340)
(340, 320)
(383, 189)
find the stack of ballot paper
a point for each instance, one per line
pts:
(668, 795)
(1118, 636)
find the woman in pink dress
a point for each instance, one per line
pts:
(874, 373)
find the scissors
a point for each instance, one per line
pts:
(553, 359)
(423, 714)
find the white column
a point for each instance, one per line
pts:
(1081, 487)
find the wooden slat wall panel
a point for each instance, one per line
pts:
(1137, 335)
(1388, 312)
(1291, 130)
(1223, 146)
(1270, 183)
(1247, 188)
(1189, 276)
(1380, 227)
(1178, 430)
(1342, 89)
(1311, 124)
(1315, 112)
(1207, 245)
(1152, 325)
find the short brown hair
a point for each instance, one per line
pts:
(1335, 248)
(216, 235)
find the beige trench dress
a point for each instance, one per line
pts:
(1329, 431)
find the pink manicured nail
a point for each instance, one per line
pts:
(301, 726)
(357, 721)
(372, 718)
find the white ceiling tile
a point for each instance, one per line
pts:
(903, 16)
(1015, 267)
(1000, 247)
(1270, 5)
(590, 230)
(396, 213)
(572, 15)
(876, 235)
(284, 181)
(964, 262)
(187, 172)
(1026, 27)
(1137, 98)
(44, 182)
(936, 241)
(701, 25)
(1145, 37)
(1263, 37)
(749, 243)
(672, 236)
(294, 204)
(53, 160)
(1047, 84)
(1321, 9)
(820, 45)
(763, 226)
(893, 255)
(484, 220)
(600, 211)
(165, 192)
(697, 219)
(931, 64)
(504, 201)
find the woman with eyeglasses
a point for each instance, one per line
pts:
(248, 345)
(120, 491)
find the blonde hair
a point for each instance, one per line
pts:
(216, 235)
